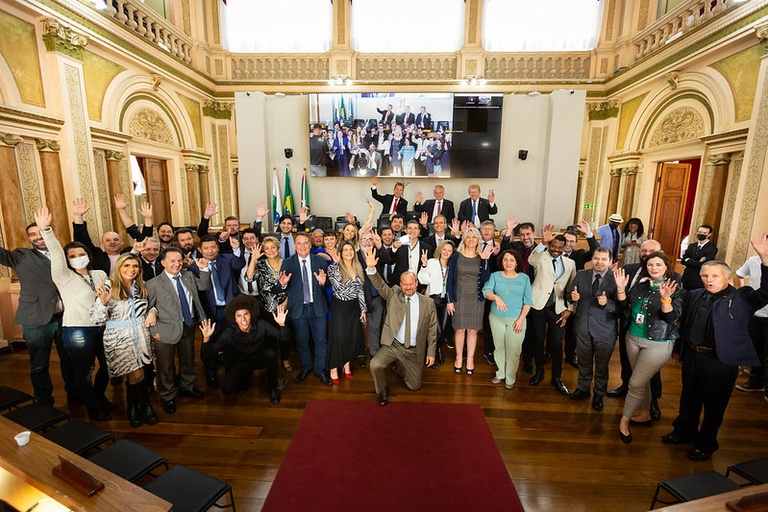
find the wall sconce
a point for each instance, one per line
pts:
(339, 80)
(473, 81)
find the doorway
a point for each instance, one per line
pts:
(150, 183)
(673, 206)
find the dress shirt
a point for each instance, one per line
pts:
(291, 246)
(309, 275)
(414, 322)
(187, 295)
(438, 209)
(413, 257)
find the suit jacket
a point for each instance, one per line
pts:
(484, 209)
(426, 332)
(386, 201)
(424, 120)
(38, 295)
(151, 270)
(228, 268)
(545, 281)
(292, 266)
(601, 322)
(99, 258)
(401, 260)
(691, 259)
(431, 242)
(139, 234)
(581, 256)
(387, 116)
(607, 237)
(164, 297)
(404, 119)
(225, 246)
(446, 210)
(384, 257)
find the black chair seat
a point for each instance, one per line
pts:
(37, 417)
(78, 436)
(11, 397)
(695, 486)
(128, 460)
(756, 471)
(189, 490)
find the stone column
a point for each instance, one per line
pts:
(11, 199)
(115, 187)
(193, 183)
(613, 194)
(630, 181)
(715, 181)
(53, 185)
(603, 120)
(205, 189)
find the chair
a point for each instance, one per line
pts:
(693, 487)
(37, 417)
(78, 436)
(384, 221)
(128, 460)
(189, 490)
(11, 397)
(324, 223)
(756, 471)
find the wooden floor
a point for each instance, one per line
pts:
(561, 455)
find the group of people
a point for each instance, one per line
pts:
(335, 296)
(399, 145)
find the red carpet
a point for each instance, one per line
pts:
(402, 457)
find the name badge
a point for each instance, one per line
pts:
(640, 319)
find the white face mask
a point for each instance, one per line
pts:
(80, 262)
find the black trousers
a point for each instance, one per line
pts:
(543, 324)
(207, 356)
(707, 384)
(758, 331)
(239, 370)
(488, 345)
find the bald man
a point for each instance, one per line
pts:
(102, 257)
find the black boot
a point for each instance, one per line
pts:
(134, 404)
(146, 412)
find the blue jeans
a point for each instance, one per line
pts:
(40, 339)
(310, 323)
(84, 345)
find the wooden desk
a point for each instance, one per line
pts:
(713, 503)
(33, 465)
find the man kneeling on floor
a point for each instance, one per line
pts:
(409, 332)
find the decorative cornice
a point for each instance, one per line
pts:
(110, 138)
(719, 159)
(600, 111)
(113, 155)
(761, 31)
(621, 162)
(217, 109)
(62, 39)
(8, 139)
(47, 145)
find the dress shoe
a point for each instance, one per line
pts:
(361, 360)
(619, 392)
(655, 411)
(107, 405)
(528, 366)
(489, 357)
(537, 378)
(509, 386)
(597, 403)
(192, 392)
(673, 438)
(698, 455)
(323, 378)
(170, 406)
(560, 387)
(579, 394)
(496, 380)
(212, 381)
(274, 396)
(302, 376)
(348, 375)
(98, 413)
(384, 396)
(573, 361)
(750, 385)
(626, 439)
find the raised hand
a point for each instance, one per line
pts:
(455, 226)
(575, 295)
(146, 210)
(419, 197)
(332, 252)
(102, 293)
(120, 202)
(548, 233)
(138, 246)
(486, 253)
(511, 225)
(370, 258)
(397, 244)
(207, 327)
(303, 215)
(261, 210)
(622, 280)
(280, 315)
(375, 180)
(602, 299)
(80, 207)
(43, 218)
(423, 219)
(376, 239)
(465, 225)
(234, 242)
(321, 277)
(667, 289)
(201, 263)
(350, 218)
(491, 196)
(223, 235)
(283, 278)
(256, 253)
(584, 227)
(496, 248)
(424, 258)
(210, 211)
(761, 248)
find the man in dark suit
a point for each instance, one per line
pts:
(714, 341)
(387, 116)
(695, 255)
(408, 256)
(225, 274)
(441, 233)
(476, 209)
(39, 313)
(409, 334)
(597, 302)
(102, 257)
(437, 206)
(424, 119)
(406, 118)
(185, 237)
(231, 228)
(173, 295)
(304, 275)
(392, 203)
(487, 235)
(150, 258)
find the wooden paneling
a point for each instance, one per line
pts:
(670, 206)
(11, 200)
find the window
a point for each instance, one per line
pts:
(269, 26)
(541, 25)
(407, 26)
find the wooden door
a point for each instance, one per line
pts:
(671, 190)
(156, 180)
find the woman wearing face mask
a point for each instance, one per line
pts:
(76, 281)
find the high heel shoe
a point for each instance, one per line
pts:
(457, 369)
(348, 375)
(646, 423)
(335, 381)
(626, 439)
(470, 371)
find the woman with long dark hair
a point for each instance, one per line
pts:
(631, 238)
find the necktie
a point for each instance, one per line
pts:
(595, 286)
(474, 210)
(407, 340)
(394, 205)
(249, 284)
(305, 282)
(616, 238)
(485, 244)
(286, 248)
(554, 265)
(220, 295)
(185, 311)
(439, 207)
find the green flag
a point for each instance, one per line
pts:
(288, 201)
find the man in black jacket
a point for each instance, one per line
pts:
(111, 244)
(392, 203)
(695, 255)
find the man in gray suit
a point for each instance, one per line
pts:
(39, 312)
(596, 325)
(409, 332)
(173, 295)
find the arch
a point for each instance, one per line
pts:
(685, 105)
(140, 103)
(9, 91)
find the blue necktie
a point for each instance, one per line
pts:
(286, 248)
(220, 295)
(185, 311)
(474, 211)
(305, 282)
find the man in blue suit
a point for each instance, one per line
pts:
(303, 274)
(225, 271)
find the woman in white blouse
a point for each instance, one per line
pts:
(434, 273)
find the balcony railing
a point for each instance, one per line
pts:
(537, 66)
(264, 66)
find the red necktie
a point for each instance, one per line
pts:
(394, 205)
(439, 207)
